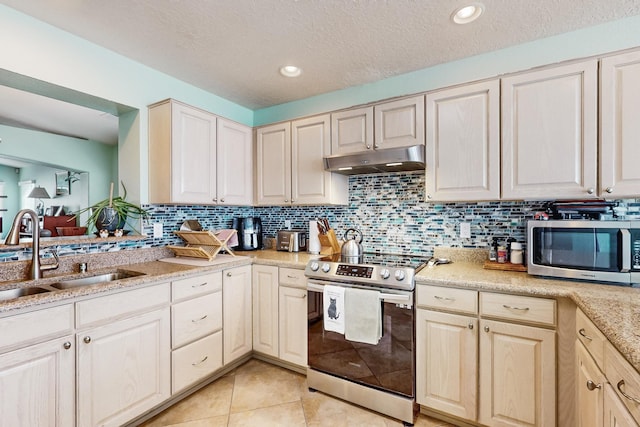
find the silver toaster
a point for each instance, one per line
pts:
(292, 240)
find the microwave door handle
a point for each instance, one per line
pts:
(626, 250)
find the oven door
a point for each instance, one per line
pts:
(387, 366)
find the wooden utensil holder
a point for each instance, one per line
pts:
(329, 244)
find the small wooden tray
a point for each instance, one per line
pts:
(329, 244)
(505, 266)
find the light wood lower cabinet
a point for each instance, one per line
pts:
(590, 390)
(265, 309)
(615, 413)
(293, 325)
(236, 317)
(37, 385)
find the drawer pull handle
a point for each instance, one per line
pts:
(292, 277)
(593, 386)
(583, 333)
(509, 307)
(633, 399)
(200, 362)
(199, 285)
(202, 318)
(444, 298)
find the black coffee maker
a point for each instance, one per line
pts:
(249, 233)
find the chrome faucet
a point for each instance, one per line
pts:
(13, 238)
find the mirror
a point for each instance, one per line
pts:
(58, 139)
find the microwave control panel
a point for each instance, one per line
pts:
(635, 253)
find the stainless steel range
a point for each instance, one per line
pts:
(377, 376)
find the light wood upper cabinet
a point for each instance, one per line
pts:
(549, 133)
(196, 157)
(463, 143)
(234, 163)
(619, 125)
(290, 166)
(352, 131)
(399, 123)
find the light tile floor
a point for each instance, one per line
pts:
(261, 394)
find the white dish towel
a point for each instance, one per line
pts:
(363, 313)
(333, 302)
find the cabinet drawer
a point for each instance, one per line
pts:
(36, 326)
(195, 318)
(122, 304)
(450, 299)
(194, 286)
(292, 277)
(624, 379)
(196, 361)
(590, 337)
(520, 308)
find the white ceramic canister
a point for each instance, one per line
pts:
(516, 253)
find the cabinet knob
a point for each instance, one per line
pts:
(486, 329)
(228, 274)
(222, 200)
(215, 199)
(286, 200)
(429, 196)
(593, 386)
(609, 190)
(368, 147)
(87, 339)
(591, 191)
(470, 325)
(293, 200)
(66, 345)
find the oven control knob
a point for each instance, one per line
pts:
(326, 267)
(399, 275)
(384, 273)
(314, 266)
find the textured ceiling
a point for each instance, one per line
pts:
(234, 48)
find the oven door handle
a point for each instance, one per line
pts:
(397, 298)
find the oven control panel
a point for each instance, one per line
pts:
(387, 277)
(354, 270)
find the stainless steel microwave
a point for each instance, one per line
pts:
(602, 251)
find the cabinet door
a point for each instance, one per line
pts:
(234, 163)
(37, 385)
(620, 127)
(517, 375)
(123, 369)
(590, 390)
(193, 155)
(352, 131)
(236, 318)
(399, 123)
(273, 165)
(615, 413)
(265, 309)
(549, 137)
(446, 363)
(293, 325)
(310, 142)
(463, 143)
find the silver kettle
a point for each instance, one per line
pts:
(351, 251)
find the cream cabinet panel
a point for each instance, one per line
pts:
(236, 317)
(517, 375)
(619, 126)
(293, 325)
(273, 165)
(182, 154)
(615, 413)
(549, 133)
(624, 379)
(265, 309)
(590, 394)
(234, 163)
(352, 131)
(311, 184)
(123, 369)
(399, 123)
(37, 385)
(195, 361)
(195, 318)
(446, 363)
(463, 142)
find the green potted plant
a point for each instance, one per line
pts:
(113, 213)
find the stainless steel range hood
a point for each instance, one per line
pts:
(377, 161)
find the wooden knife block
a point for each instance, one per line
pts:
(329, 244)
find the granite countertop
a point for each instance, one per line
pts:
(615, 310)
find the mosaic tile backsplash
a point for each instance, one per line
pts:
(389, 209)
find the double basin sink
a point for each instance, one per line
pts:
(97, 279)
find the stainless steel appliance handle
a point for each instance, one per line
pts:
(394, 297)
(626, 250)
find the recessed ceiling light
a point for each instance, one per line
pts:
(466, 14)
(290, 71)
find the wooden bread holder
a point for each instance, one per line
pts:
(201, 244)
(505, 266)
(329, 244)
